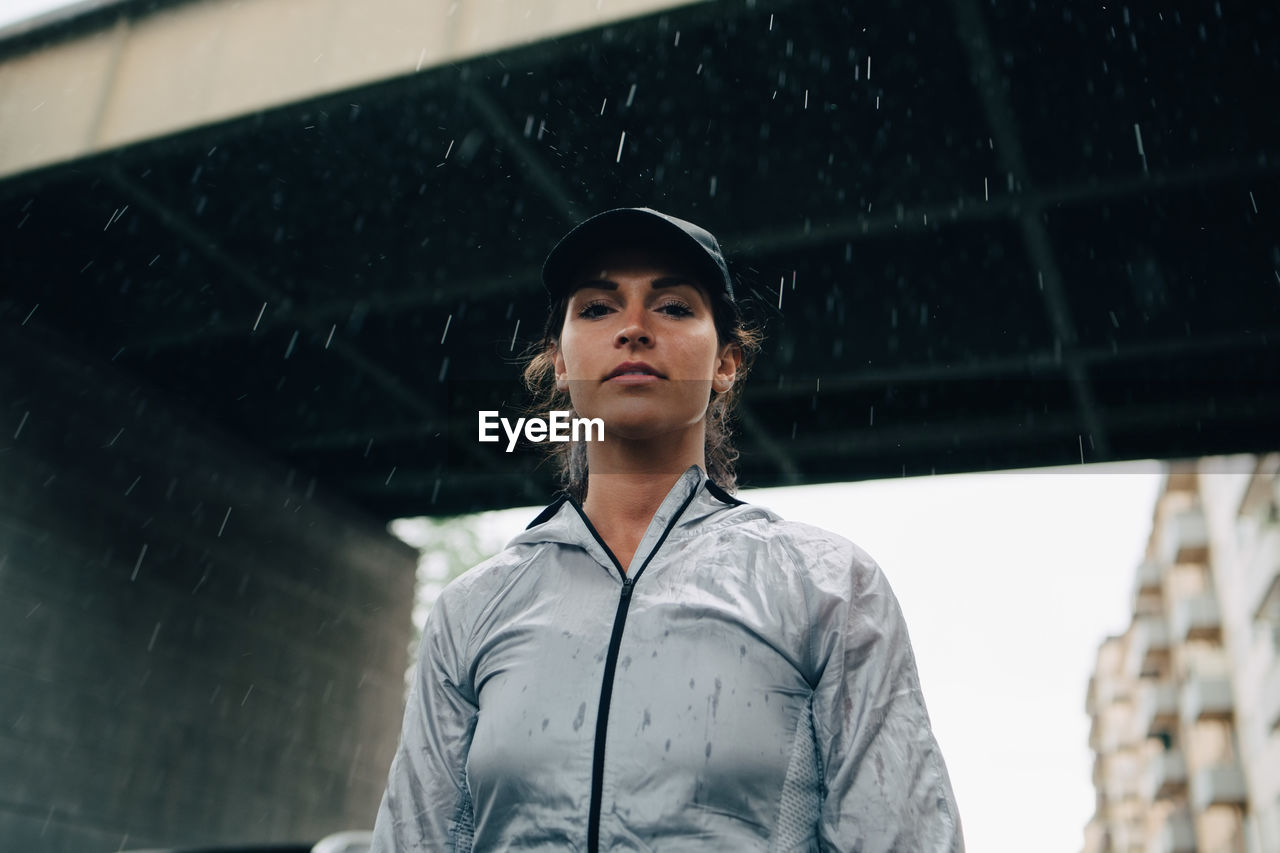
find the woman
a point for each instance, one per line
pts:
(653, 664)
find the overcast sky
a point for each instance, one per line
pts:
(1009, 581)
(13, 11)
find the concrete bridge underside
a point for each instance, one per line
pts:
(981, 238)
(265, 260)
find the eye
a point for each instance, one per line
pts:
(592, 310)
(676, 309)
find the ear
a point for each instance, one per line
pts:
(726, 369)
(562, 373)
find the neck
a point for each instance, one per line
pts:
(628, 480)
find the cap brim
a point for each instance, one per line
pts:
(629, 228)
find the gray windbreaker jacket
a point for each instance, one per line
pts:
(748, 685)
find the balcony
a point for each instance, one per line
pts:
(1185, 537)
(1166, 775)
(1269, 704)
(1177, 835)
(1148, 643)
(1196, 618)
(1263, 578)
(1147, 578)
(1115, 737)
(1157, 708)
(1207, 698)
(1121, 789)
(1218, 785)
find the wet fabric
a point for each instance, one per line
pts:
(764, 696)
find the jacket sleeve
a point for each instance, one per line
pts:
(427, 806)
(885, 787)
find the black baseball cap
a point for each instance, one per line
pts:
(638, 227)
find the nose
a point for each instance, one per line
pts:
(634, 330)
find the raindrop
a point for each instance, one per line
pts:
(327, 340)
(292, 341)
(138, 564)
(21, 423)
(1253, 201)
(259, 320)
(135, 482)
(621, 141)
(155, 632)
(115, 217)
(513, 335)
(1137, 133)
(223, 526)
(448, 320)
(389, 476)
(713, 186)
(631, 95)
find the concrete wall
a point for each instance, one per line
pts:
(200, 62)
(170, 673)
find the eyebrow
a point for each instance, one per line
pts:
(662, 281)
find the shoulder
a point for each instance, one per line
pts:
(823, 562)
(822, 555)
(463, 597)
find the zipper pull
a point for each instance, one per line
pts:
(627, 584)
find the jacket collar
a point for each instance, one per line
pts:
(564, 522)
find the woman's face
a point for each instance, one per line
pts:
(639, 348)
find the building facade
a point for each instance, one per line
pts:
(1185, 704)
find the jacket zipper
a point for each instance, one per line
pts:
(611, 665)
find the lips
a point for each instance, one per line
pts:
(634, 371)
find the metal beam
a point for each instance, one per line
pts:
(199, 241)
(539, 175)
(910, 439)
(745, 246)
(972, 34)
(788, 472)
(1041, 362)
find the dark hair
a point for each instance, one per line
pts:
(570, 457)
